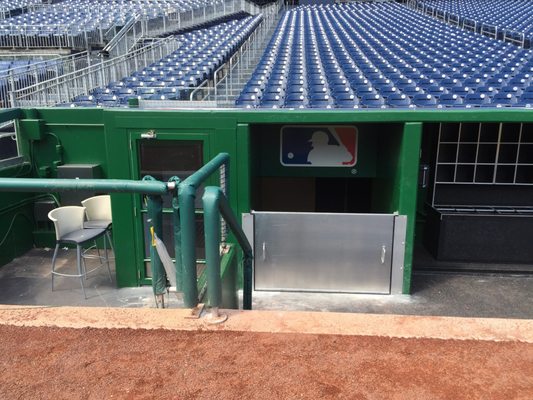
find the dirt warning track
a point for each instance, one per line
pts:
(46, 362)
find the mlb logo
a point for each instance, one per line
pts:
(318, 146)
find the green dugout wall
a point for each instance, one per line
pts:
(118, 142)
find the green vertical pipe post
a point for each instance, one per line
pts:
(216, 204)
(210, 201)
(187, 217)
(155, 219)
(177, 236)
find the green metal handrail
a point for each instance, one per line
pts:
(216, 204)
(185, 235)
(99, 185)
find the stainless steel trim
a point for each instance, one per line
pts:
(398, 254)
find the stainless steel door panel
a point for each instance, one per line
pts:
(323, 252)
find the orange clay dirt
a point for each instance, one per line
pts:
(43, 362)
(104, 353)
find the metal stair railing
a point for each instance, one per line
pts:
(20, 77)
(64, 88)
(240, 67)
(140, 27)
(516, 37)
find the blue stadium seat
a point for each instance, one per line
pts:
(388, 50)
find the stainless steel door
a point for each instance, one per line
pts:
(323, 252)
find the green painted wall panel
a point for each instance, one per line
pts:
(406, 188)
(16, 218)
(103, 137)
(117, 146)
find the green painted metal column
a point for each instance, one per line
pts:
(409, 161)
(212, 226)
(187, 220)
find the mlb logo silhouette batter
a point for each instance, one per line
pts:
(318, 146)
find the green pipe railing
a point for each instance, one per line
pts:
(186, 199)
(99, 185)
(216, 205)
(149, 186)
(183, 204)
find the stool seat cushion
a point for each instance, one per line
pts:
(82, 235)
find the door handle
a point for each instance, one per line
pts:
(264, 256)
(383, 253)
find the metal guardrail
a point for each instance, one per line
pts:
(141, 27)
(490, 30)
(229, 77)
(48, 36)
(20, 77)
(52, 88)
(67, 86)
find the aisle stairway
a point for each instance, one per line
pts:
(228, 89)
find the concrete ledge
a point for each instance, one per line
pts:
(399, 326)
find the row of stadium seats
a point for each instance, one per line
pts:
(505, 15)
(89, 15)
(384, 55)
(201, 53)
(12, 5)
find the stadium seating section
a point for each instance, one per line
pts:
(513, 16)
(9, 6)
(89, 15)
(18, 74)
(366, 54)
(379, 55)
(201, 53)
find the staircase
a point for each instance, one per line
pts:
(229, 88)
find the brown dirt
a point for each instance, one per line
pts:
(59, 363)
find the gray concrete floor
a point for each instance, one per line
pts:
(27, 281)
(442, 294)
